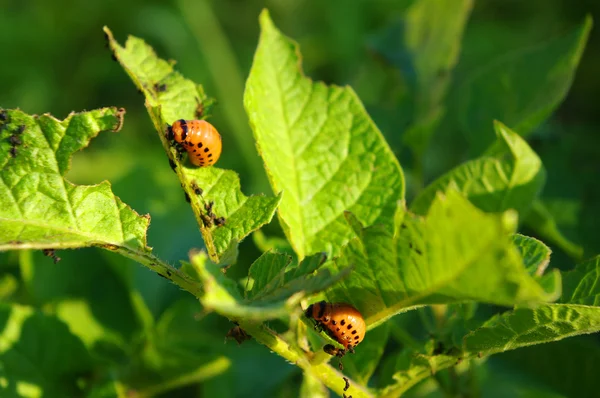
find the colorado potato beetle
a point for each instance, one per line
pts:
(341, 321)
(199, 138)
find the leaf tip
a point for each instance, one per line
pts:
(588, 22)
(499, 126)
(265, 19)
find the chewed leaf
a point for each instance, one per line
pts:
(276, 290)
(39, 208)
(320, 147)
(457, 253)
(241, 214)
(225, 215)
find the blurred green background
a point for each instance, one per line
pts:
(54, 59)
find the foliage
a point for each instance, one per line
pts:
(443, 272)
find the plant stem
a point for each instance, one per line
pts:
(163, 269)
(323, 372)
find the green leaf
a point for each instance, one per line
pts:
(582, 285)
(543, 222)
(522, 89)
(265, 243)
(411, 368)
(39, 355)
(169, 97)
(535, 254)
(457, 253)
(40, 209)
(515, 329)
(509, 176)
(277, 288)
(527, 326)
(320, 147)
(426, 47)
(536, 257)
(267, 273)
(577, 314)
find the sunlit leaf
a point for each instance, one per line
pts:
(320, 147)
(536, 255)
(40, 209)
(515, 329)
(577, 314)
(527, 326)
(276, 290)
(170, 97)
(457, 253)
(509, 175)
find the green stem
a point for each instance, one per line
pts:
(163, 269)
(325, 373)
(542, 221)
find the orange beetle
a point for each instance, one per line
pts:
(199, 138)
(341, 321)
